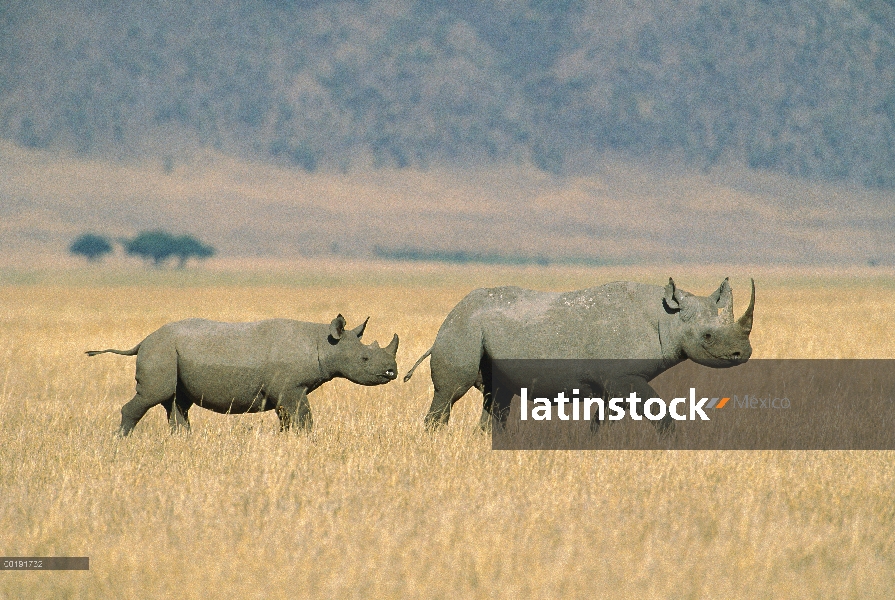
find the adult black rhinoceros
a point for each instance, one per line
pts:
(655, 327)
(249, 367)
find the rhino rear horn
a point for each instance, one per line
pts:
(745, 322)
(393, 346)
(723, 298)
(359, 330)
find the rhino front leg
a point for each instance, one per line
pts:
(294, 410)
(622, 388)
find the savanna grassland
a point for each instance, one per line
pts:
(371, 505)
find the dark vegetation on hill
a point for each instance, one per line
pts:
(805, 88)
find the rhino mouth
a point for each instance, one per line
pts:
(733, 358)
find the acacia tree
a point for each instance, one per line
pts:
(91, 246)
(158, 246)
(186, 247)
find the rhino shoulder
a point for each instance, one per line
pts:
(617, 295)
(631, 289)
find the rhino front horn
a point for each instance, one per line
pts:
(746, 320)
(393, 346)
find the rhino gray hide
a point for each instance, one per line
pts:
(249, 367)
(660, 327)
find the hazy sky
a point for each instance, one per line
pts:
(586, 131)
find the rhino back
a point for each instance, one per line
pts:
(233, 367)
(616, 320)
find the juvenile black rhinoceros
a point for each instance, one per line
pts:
(655, 327)
(249, 367)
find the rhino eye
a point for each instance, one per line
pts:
(365, 358)
(707, 337)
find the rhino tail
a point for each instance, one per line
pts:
(413, 368)
(132, 352)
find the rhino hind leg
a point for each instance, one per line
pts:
(133, 411)
(442, 401)
(156, 382)
(451, 380)
(487, 399)
(455, 364)
(495, 410)
(487, 404)
(495, 402)
(485, 420)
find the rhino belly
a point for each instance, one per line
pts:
(225, 389)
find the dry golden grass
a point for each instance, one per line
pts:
(370, 505)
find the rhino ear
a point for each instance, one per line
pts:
(677, 299)
(672, 295)
(723, 299)
(359, 330)
(337, 327)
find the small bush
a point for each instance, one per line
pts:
(93, 247)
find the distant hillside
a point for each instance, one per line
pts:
(802, 87)
(622, 213)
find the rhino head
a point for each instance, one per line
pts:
(708, 333)
(348, 357)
